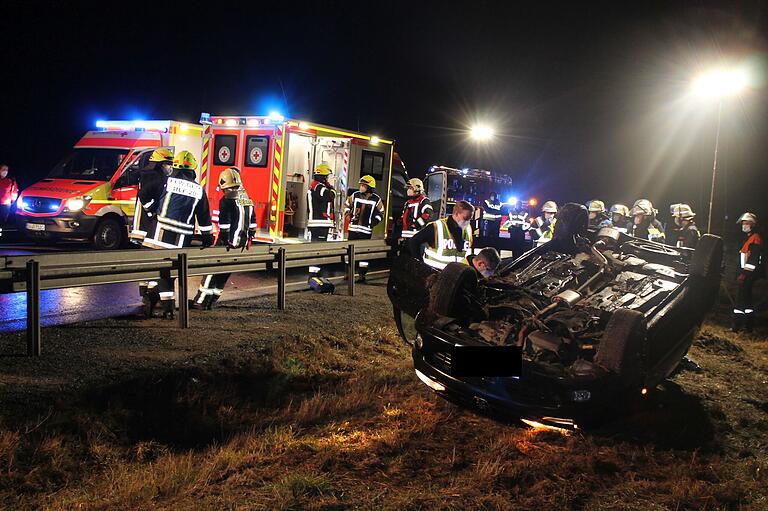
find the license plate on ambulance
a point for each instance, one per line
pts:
(36, 227)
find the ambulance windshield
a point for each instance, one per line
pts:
(88, 163)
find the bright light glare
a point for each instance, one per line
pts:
(481, 133)
(512, 200)
(252, 122)
(276, 117)
(303, 125)
(720, 83)
(375, 140)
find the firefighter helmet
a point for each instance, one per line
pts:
(417, 184)
(747, 217)
(185, 160)
(642, 207)
(549, 207)
(368, 181)
(683, 211)
(323, 170)
(161, 154)
(230, 178)
(620, 209)
(596, 206)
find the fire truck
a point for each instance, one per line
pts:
(91, 194)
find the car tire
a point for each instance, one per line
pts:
(621, 347)
(108, 235)
(406, 326)
(445, 296)
(708, 257)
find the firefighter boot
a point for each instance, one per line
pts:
(199, 301)
(211, 303)
(168, 306)
(149, 302)
(363, 270)
(738, 321)
(749, 321)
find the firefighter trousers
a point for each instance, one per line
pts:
(319, 233)
(490, 228)
(210, 290)
(362, 265)
(744, 312)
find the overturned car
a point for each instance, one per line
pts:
(597, 321)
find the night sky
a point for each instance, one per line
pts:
(588, 100)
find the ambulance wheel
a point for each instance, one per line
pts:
(108, 235)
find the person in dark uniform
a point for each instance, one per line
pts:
(491, 220)
(684, 234)
(751, 268)
(645, 225)
(320, 197)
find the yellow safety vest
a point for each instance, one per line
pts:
(445, 250)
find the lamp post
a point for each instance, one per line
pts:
(718, 84)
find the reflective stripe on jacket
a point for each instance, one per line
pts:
(445, 250)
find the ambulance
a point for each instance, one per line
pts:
(90, 195)
(276, 158)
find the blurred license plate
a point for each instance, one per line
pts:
(36, 227)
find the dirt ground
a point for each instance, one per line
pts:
(317, 407)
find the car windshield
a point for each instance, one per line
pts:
(92, 164)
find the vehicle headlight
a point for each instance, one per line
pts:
(77, 203)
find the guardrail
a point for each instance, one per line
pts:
(37, 272)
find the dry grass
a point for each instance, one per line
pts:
(339, 422)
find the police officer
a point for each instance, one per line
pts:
(684, 234)
(417, 210)
(365, 211)
(182, 203)
(598, 218)
(237, 226)
(447, 239)
(751, 268)
(543, 225)
(320, 198)
(644, 224)
(491, 220)
(620, 217)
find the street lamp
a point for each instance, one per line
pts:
(718, 84)
(481, 133)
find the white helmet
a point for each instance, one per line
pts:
(596, 206)
(417, 184)
(620, 209)
(683, 211)
(642, 207)
(549, 207)
(747, 217)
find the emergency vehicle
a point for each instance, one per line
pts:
(90, 195)
(276, 158)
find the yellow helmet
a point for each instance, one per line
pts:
(368, 181)
(185, 160)
(417, 184)
(323, 170)
(230, 178)
(161, 154)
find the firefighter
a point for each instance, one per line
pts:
(518, 223)
(644, 224)
(151, 182)
(417, 211)
(365, 211)
(684, 234)
(320, 198)
(751, 268)
(182, 203)
(447, 239)
(237, 226)
(491, 217)
(485, 262)
(9, 192)
(543, 225)
(598, 217)
(620, 217)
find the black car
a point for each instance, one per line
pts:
(599, 321)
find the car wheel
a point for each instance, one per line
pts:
(621, 346)
(108, 235)
(406, 326)
(445, 296)
(708, 257)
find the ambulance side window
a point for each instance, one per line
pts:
(373, 164)
(224, 147)
(132, 173)
(256, 151)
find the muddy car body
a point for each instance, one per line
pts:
(600, 321)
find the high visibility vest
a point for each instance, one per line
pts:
(545, 235)
(445, 250)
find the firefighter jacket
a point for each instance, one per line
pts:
(751, 256)
(151, 184)
(365, 210)
(685, 237)
(492, 210)
(9, 191)
(416, 214)
(182, 202)
(236, 218)
(446, 243)
(649, 229)
(320, 203)
(602, 220)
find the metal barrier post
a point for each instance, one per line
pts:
(351, 269)
(33, 309)
(281, 278)
(183, 292)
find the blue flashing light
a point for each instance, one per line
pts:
(21, 204)
(465, 171)
(53, 207)
(276, 116)
(101, 124)
(512, 200)
(205, 118)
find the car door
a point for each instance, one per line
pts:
(126, 186)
